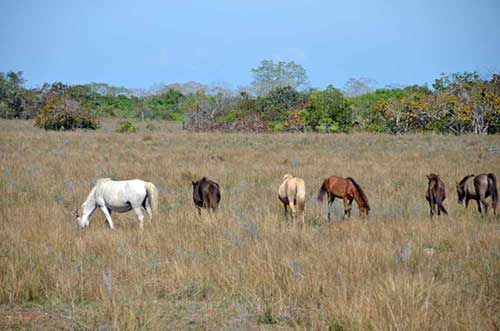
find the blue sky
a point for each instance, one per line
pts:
(141, 43)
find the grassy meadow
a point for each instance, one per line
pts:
(247, 269)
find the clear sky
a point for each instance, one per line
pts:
(141, 43)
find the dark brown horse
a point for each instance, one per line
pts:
(478, 188)
(206, 194)
(346, 189)
(436, 194)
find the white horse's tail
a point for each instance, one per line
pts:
(152, 196)
(301, 195)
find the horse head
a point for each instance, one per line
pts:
(432, 176)
(81, 221)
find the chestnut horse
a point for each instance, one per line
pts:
(347, 189)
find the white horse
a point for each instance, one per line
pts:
(120, 196)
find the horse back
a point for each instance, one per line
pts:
(337, 186)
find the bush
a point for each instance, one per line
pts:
(328, 111)
(64, 113)
(126, 127)
(295, 121)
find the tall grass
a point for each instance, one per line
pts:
(247, 268)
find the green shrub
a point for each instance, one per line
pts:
(64, 113)
(328, 111)
(126, 127)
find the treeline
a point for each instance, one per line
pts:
(279, 100)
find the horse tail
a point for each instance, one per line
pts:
(322, 191)
(361, 194)
(152, 196)
(494, 190)
(300, 195)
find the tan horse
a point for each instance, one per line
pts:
(347, 190)
(292, 193)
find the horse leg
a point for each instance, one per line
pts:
(140, 216)
(292, 208)
(485, 205)
(285, 210)
(466, 202)
(330, 204)
(108, 217)
(349, 205)
(431, 208)
(346, 208)
(479, 206)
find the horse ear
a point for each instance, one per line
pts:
(193, 183)
(428, 177)
(76, 212)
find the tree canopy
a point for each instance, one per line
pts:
(270, 75)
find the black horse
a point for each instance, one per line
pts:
(206, 194)
(478, 188)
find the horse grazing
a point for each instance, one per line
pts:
(206, 194)
(436, 194)
(292, 193)
(347, 189)
(120, 196)
(478, 188)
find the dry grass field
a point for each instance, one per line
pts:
(247, 269)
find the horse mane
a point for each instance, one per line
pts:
(465, 179)
(361, 193)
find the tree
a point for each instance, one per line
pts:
(454, 80)
(278, 102)
(15, 100)
(328, 111)
(470, 103)
(62, 112)
(355, 87)
(269, 76)
(411, 112)
(364, 109)
(164, 105)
